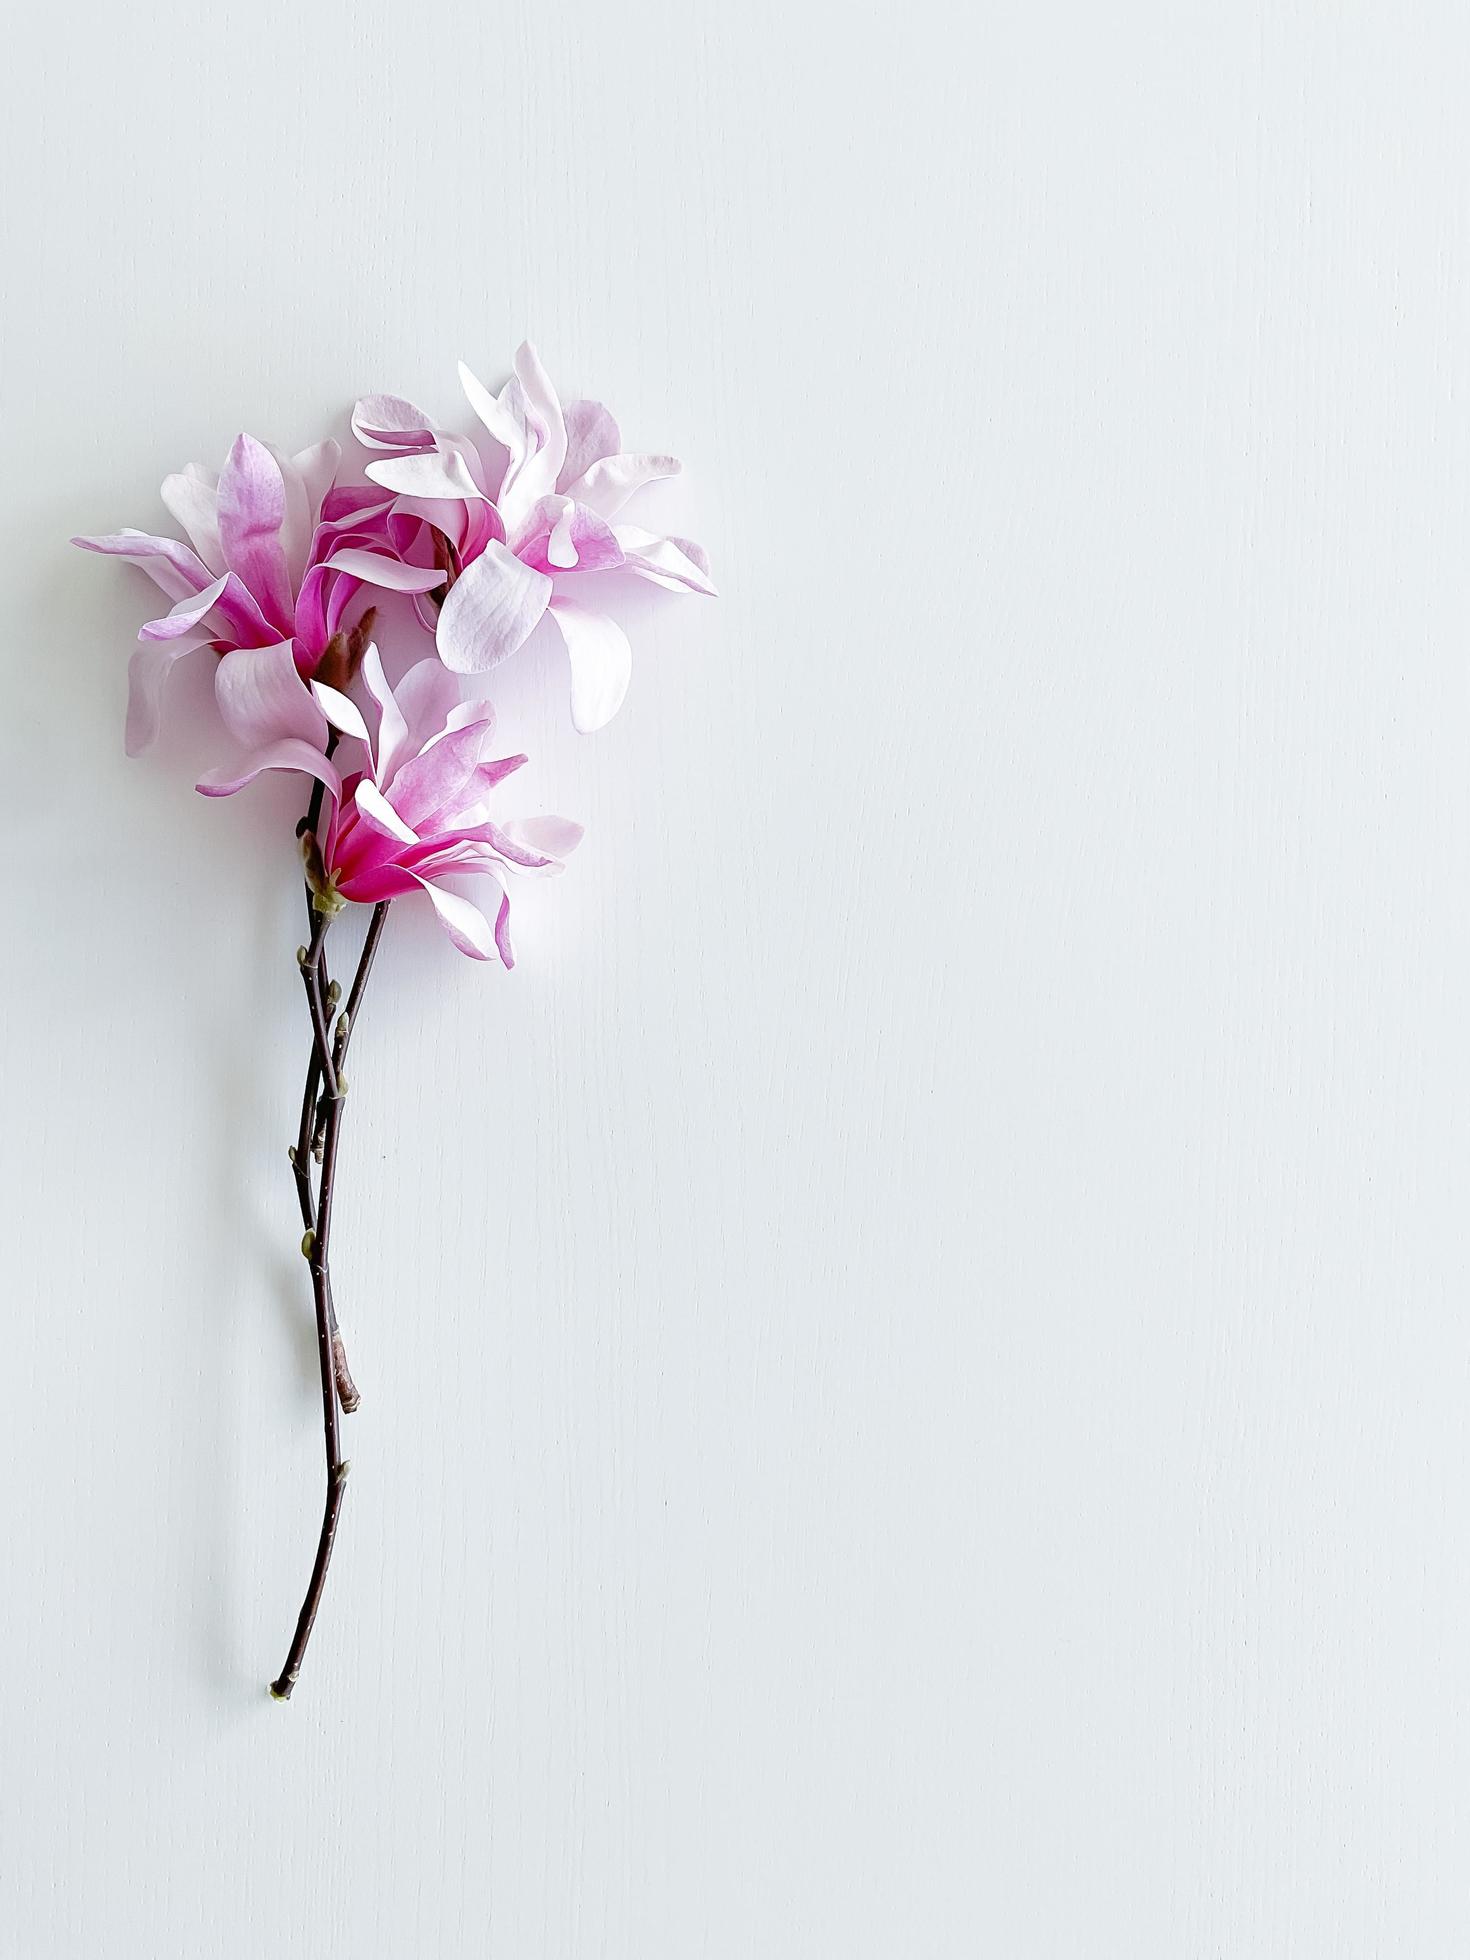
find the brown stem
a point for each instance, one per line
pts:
(301, 1161)
(312, 968)
(336, 1382)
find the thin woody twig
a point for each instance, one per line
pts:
(316, 1245)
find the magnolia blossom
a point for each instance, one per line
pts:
(418, 813)
(276, 558)
(526, 518)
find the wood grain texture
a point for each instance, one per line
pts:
(953, 1238)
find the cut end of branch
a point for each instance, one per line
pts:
(281, 1690)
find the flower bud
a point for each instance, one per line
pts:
(332, 667)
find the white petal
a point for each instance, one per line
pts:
(490, 611)
(378, 810)
(434, 473)
(664, 561)
(502, 425)
(602, 663)
(608, 485)
(377, 568)
(339, 711)
(392, 728)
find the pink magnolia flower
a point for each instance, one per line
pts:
(418, 813)
(528, 523)
(276, 558)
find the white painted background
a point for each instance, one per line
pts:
(916, 1352)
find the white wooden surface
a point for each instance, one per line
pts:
(916, 1352)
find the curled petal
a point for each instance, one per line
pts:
(608, 484)
(534, 406)
(290, 754)
(349, 504)
(376, 568)
(677, 564)
(392, 727)
(390, 422)
(378, 813)
(466, 924)
(148, 670)
(602, 663)
(186, 615)
(491, 610)
(340, 711)
(499, 422)
(172, 566)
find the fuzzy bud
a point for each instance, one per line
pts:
(332, 667)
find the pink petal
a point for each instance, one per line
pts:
(602, 663)
(347, 503)
(427, 695)
(186, 615)
(172, 567)
(552, 837)
(591, 434)
(148, 669)
(262, 697)
(502, 931)
(432, 787)
(509, 850)
(488, 774)
(491, 610)
(306, 478)
(608, 484)
(290, 754)
(466, 924)
(563, 536)
(252, 510)
(192, 499)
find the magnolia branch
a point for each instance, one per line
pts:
(325, 1090)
